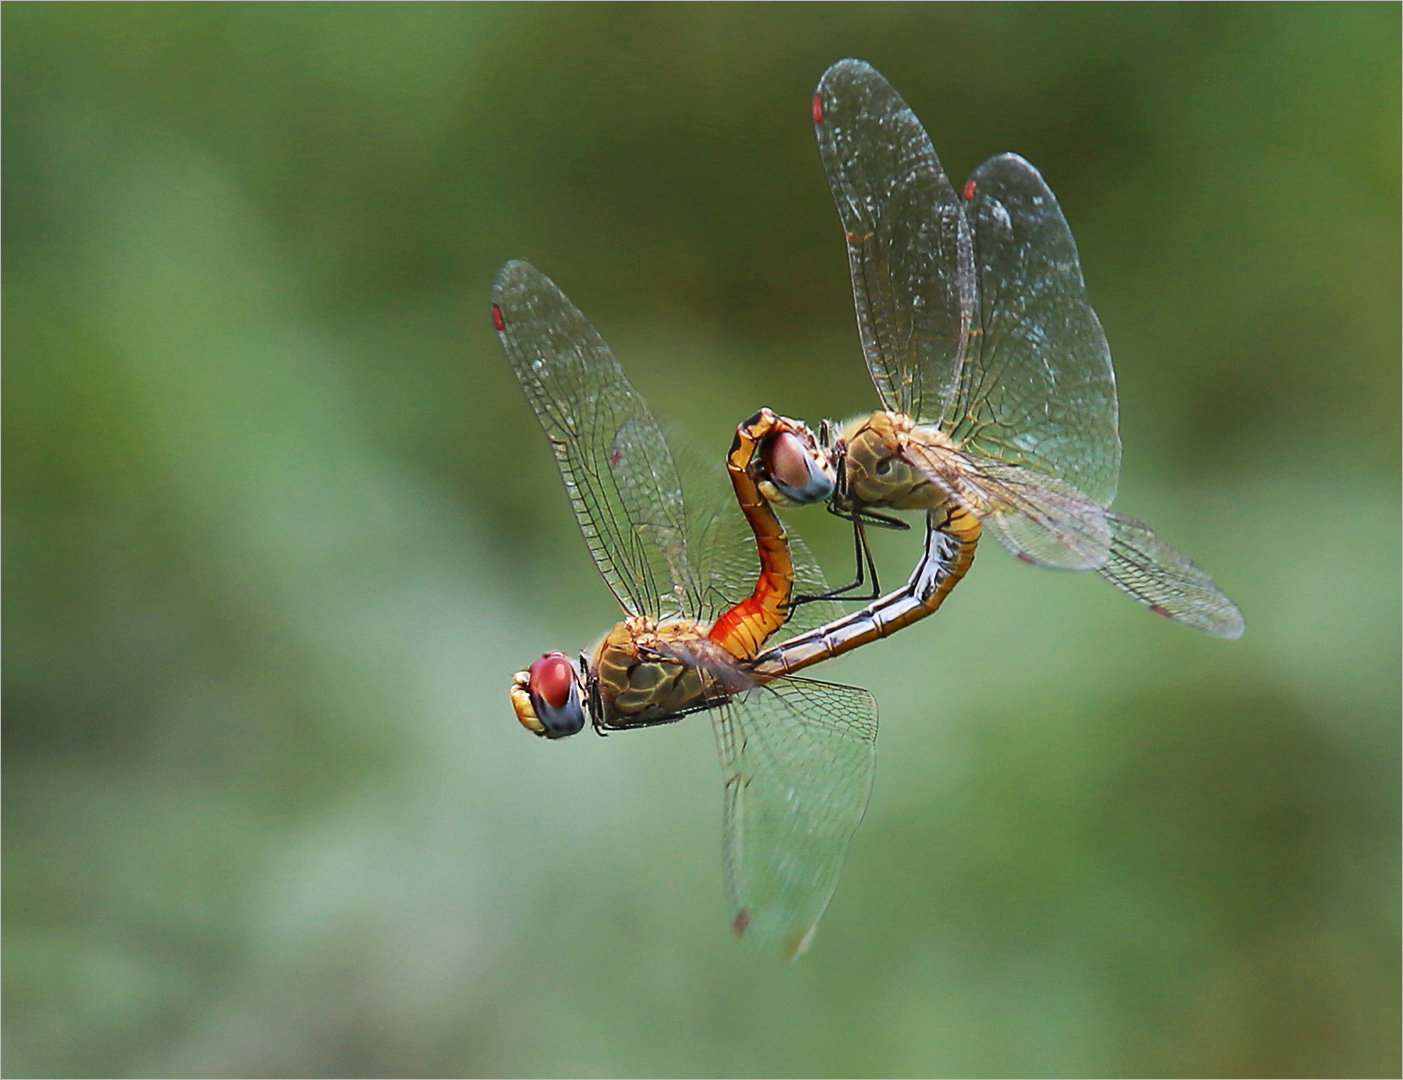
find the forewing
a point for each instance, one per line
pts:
(798, 759)
(613, 458)
(1145, 567)
(1038, 389)
(909, 246)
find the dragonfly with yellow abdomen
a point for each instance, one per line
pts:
(998, 397)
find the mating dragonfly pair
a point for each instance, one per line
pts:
(998, 411)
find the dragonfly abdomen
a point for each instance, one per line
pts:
(744, 628)
(948, 555)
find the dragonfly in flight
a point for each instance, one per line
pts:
(998, 398)
(797, 755)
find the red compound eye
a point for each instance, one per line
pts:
(786, 460)
(552, 679)
(969, 190)
(818, 109)
(497, 320)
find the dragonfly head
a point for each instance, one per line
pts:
(546, 697)
(793, 470)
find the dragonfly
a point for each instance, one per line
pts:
(797, 755)
(998, 396)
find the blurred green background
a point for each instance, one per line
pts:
(279, 526)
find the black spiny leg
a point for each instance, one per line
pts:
(862, 555)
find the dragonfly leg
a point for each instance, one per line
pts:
(870, 517)
(951, 538)
(866, 567)
(863, 555)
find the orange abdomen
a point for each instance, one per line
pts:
(742, 630)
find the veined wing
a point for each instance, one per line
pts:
(798, 759)
(910, 250)
(973, 314)
(727, 566)
(1035, 516)
(618, 472)
(1143, 566)
(1044, 521)
(1038, 389)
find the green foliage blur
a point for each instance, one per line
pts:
(279, 526)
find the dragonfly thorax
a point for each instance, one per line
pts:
(645, 672)
(871, 457)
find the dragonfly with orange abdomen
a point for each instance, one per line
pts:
(999, 400)
(797, 755)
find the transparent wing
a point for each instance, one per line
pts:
(1043, 521)
(613, 458)
(974, 318)
(727, 565)
(809, 580)
(1145, 567)
(909, 246)
(798, 759)
(1036, 517)
(1038, 389)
